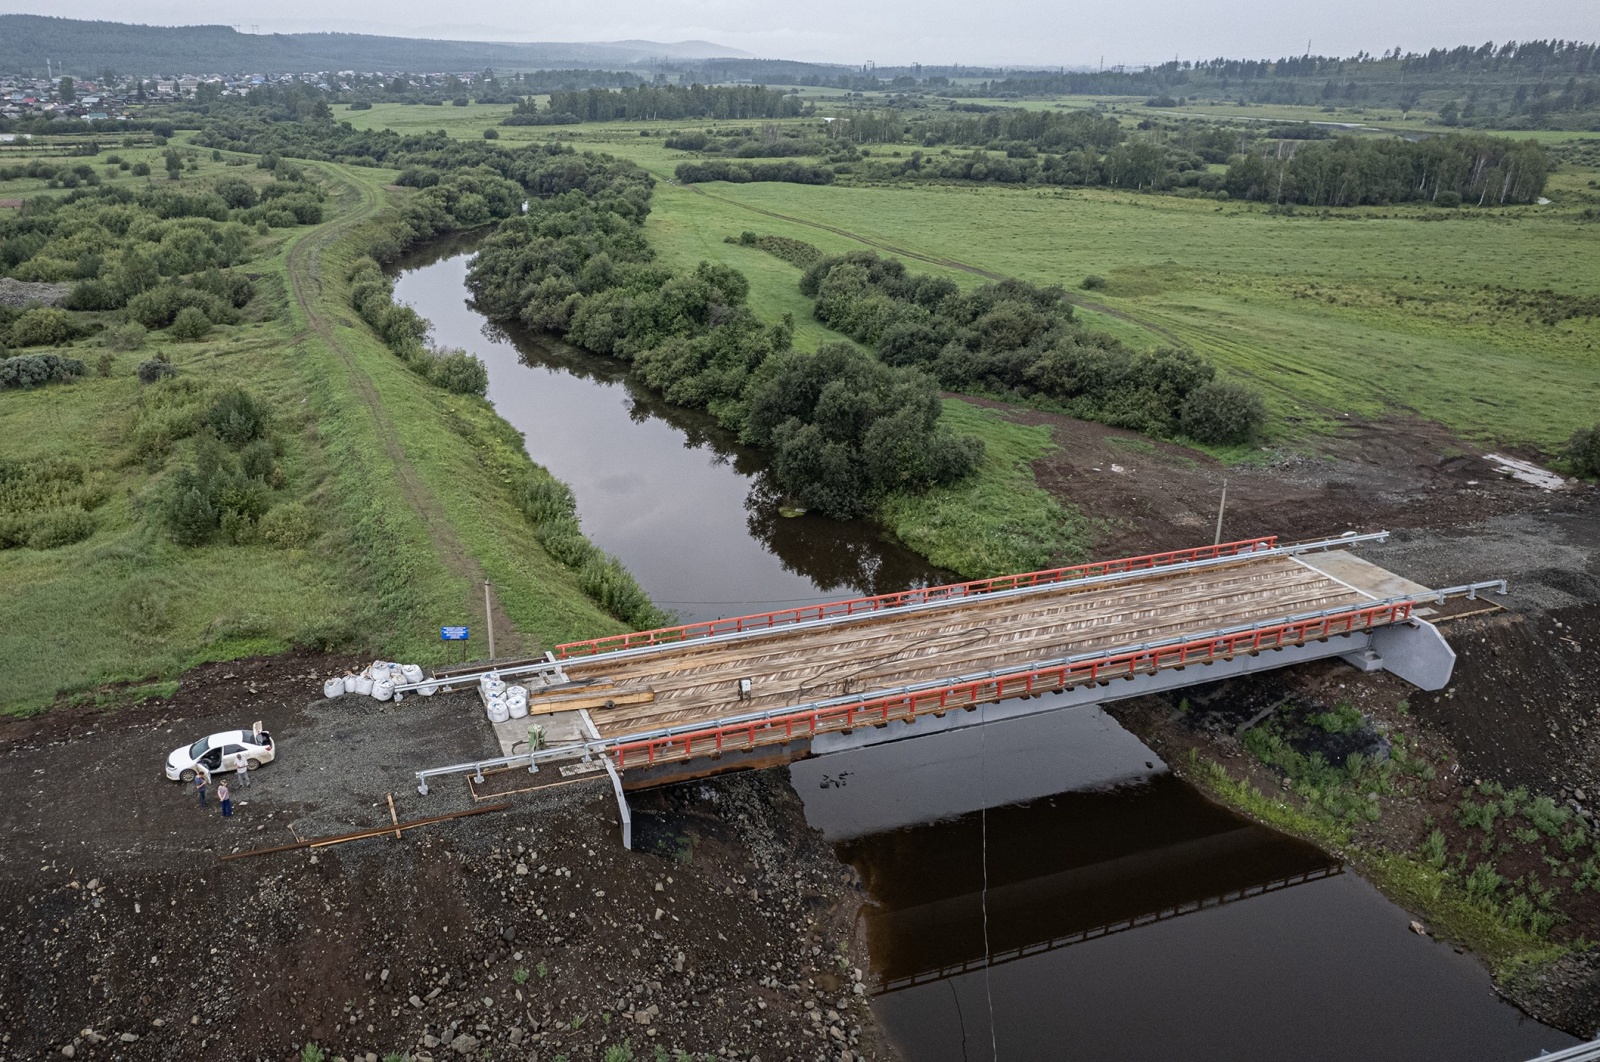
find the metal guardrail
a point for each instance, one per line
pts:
(762, 621)
(992, 595)
(1589, 1052)
(1128, 660)
(1470, 590)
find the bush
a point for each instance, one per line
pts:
(141, 169)
(1447, 199)
(156, 368)
(237, 417)
(1092, 282)
(191, 324)
(35, 370)
(457, 372)
(95, 295)
(42, 326)
(546, 498)
(1220, 413)
(605, 580)
(1583, 451)
(126, 337)
(491, 134)
(60, 527)
(288, 526)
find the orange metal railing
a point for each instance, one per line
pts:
(876, 711)
(948, 592)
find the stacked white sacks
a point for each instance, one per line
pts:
(517, 702)
(378, 680)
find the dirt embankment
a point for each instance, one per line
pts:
(522, 933)
(1521, 709)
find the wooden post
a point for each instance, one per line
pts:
(1223, 505)
(394, 818)
(488, 614)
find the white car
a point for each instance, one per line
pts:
(226, 751)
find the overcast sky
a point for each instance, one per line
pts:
(1066, 32)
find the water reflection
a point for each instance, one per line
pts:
(686, 507)
(1126, 921)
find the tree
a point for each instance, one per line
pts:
(191, 324)
(67, 91)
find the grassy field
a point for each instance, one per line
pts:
(1355, 312)
(408, 484)
(1365, 312)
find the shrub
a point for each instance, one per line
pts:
(156, 368)
(288, 526)
(34, 370)
(237, 417)
(457, 372)
(547, 498)
(126, 337)
(1092, 282)
(1583, 451)
(141, 169)
(605, 580)
(60, 527)
(1221, 413)
(491, 134)
(95, 295)
(191, 324)
(1447, 199)
(42, 326)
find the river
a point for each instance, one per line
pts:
(1041, 889)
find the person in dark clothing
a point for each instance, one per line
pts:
(225, 800)
(201, 780)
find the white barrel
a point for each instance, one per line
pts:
(382, 689)
(364, 685)
(334, 687)
(412, 673)
(350, 683)
(498, 712)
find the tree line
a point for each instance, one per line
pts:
(1449, 170)
(843, 429)
(649, 102)
(1022, 341)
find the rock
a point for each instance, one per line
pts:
(464, 1044)
(522, 870)
(508, 934)
(642, 1017)
(429, 1040)
(384, 976)
(69, 1051)
(515, 1036)
(416, 1001)
(128, 1038)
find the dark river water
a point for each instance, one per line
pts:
(1039, 889)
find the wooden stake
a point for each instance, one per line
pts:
(394, 818)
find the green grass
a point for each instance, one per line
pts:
(997, 521)
(392, 562)
(1304, 305)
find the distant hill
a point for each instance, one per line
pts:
(87, 48)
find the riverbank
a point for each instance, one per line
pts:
(729, 930)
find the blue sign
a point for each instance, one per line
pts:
(453, 634)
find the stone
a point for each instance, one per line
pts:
(430, 1040)
(464, 1044)
(515, 1036)
(69, 1051)
(416, 1001)
(128, 1038)
(508, 934)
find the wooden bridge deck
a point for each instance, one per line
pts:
(698, 681)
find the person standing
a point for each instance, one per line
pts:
(201, 780)
(225, 800)
(242, 774)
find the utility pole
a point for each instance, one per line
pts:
(1221, 507)
(488, 614)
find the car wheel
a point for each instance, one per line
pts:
(187, 775)
(253, 764)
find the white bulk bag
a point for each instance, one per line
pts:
(351, 682)
(363, 685)
(334, 687)
(412, 673)
(382, 689)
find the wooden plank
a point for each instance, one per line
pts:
(394, 818)
(601, 700)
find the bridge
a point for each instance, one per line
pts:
(665, 705)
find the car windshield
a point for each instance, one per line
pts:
(198, 749)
